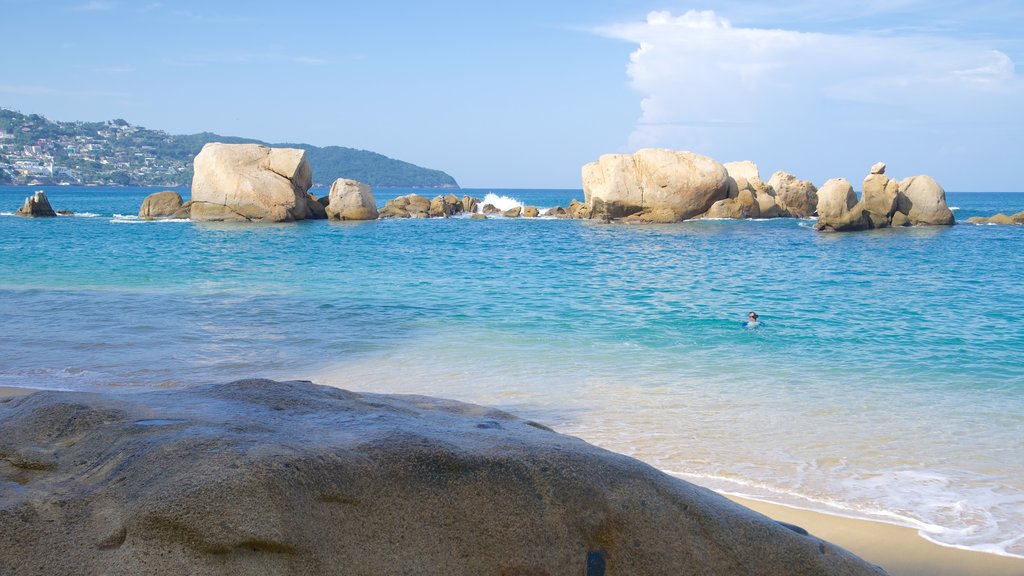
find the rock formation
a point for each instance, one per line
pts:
(291, 478)
(36, 206)
(924, 202)
(408, 206)
(744, 205)
(796, 198)
(879, 195)
(916, 201)
(250, 182)
(160, 204)
(1000, 218)
(351, 200)
(838, 208)
(682, 184)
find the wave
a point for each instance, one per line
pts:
(954, 524)
(130, 219)
(502, 203)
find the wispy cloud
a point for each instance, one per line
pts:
(37, 90)
(249, 58)
(95, 6)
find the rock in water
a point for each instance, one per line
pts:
(160, 204)
(838, 208)
(36, 206)
(796, 198)
(924, 202)
(250, 182)
(351, 200)
(291, 478)
(653, 179)
(879, 195)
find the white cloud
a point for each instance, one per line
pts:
(711, 87)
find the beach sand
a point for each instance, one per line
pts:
(897, 549)
(901, 551)
(7, 392)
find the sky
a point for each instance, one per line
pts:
(522, 94)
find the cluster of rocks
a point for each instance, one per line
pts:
(658, 185)
(1000, 218)
(416, 206)
(263, 477)
(915, 201)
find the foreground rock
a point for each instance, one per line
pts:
(674, 185)
(161, 205)
(251, 182)
(36, 206)
(290, 478)
(351, 200)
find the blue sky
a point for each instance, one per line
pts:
(521, 94)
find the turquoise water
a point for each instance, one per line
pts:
(886, 381)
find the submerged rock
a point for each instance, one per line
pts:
(36, 206)
(250, 182)
(160, 204)
(268, 477)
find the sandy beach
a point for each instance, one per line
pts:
(901, 551)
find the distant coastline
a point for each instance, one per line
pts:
(36, 151)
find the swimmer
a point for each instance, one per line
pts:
(752, 321)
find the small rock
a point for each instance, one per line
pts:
(37, 206)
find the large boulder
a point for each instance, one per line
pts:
(36, 206)
(879, 195)
(351, 200)
(263, 477)
(796, 198)
(683, 183)
(924, 202)
(250, 182)
(160, 204)
(838, 208)
(744, 205)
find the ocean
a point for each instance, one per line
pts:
(886, 380)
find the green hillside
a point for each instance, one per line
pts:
(36, 150)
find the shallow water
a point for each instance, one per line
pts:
(886, 379)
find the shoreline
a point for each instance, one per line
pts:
(898, 549)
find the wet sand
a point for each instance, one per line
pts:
(899, 550)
